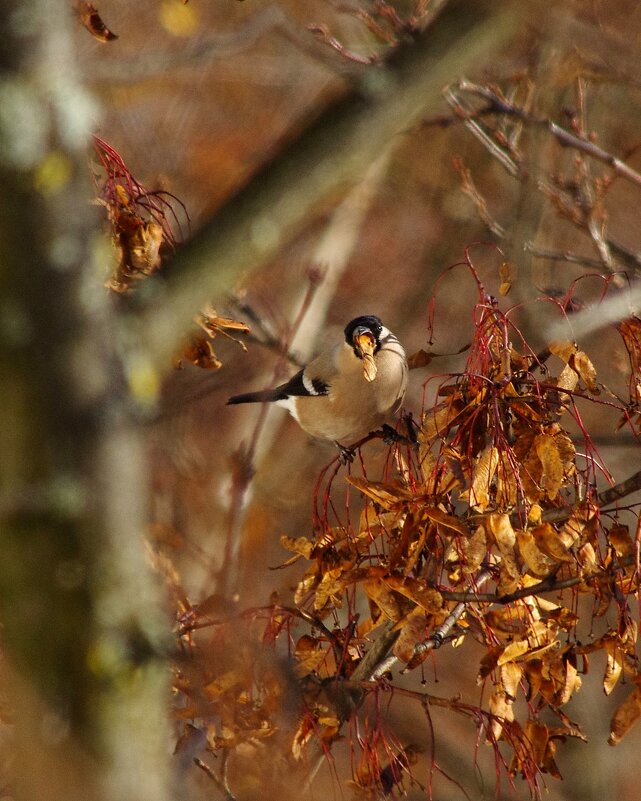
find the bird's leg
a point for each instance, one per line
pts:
(346, 455)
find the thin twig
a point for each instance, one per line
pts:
(220, 784)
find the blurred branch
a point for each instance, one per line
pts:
(334, 154)
(82, 620)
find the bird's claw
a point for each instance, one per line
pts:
(390, 435)
(346, 455)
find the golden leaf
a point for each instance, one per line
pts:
(506, 277)
(482, 476)
(446, 520)
(513, 651)
(626, 716)
(428, 599)
(614, 665)
(92, 21)
(501, 705)
(619, 539)
(412, 632)
(300, 545)
(584, 367)
(330, 588)
(538, 563)
(548, 541)
(388, 496)
(564, 349)
(381, 595)
(552, 466)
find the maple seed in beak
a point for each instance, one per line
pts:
(366, 345)
(365, 342)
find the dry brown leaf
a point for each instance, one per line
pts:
(537, 562)
(388, 496)
(92, 21)
(300, 545)
(428, 599)
(584, 367)
(380, 594)
(506, 277)
(549, 542)
(619, 538)
(551, 464)
(626, 715)
(482, 476)
(564, 349)
(330, 589)
(446, 520)
(412, 632)
(614, 665)
(501, 705)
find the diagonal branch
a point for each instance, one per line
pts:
(334, 153)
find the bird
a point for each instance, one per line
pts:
(349, 389)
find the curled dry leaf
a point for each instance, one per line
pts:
(388, 496)
(537, 562)
(506, 277)
(428, 599)
(551, 465)
(92, 21)
(578, 361)
(482, 476)
(412, 632)
(626, 715)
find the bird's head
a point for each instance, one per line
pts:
(363, 335)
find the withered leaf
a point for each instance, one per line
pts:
(389, 496)
(506, 277)
(538, 563)
(619, 538)
(330, 588)
(92, 21)
(446, 520)
(551, 464)
(501, 705)
(300, 545)
(482, 476)
(381, 595)
(626, 715)
(412, 632)
(428, 599)
(549, 542)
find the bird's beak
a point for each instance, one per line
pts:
(366, 345)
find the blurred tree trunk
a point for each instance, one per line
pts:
(83, 634)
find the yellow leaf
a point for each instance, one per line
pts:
(447, 520)
(381, 595)
(552, 467)
(625, 716)
(300, 545)
(584, 367)
(388, 496)
(538, 563)
(482, 476)
(428, 599)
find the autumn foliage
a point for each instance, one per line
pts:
(495, 527)
(488, 527)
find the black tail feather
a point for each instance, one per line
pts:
(266, 396)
